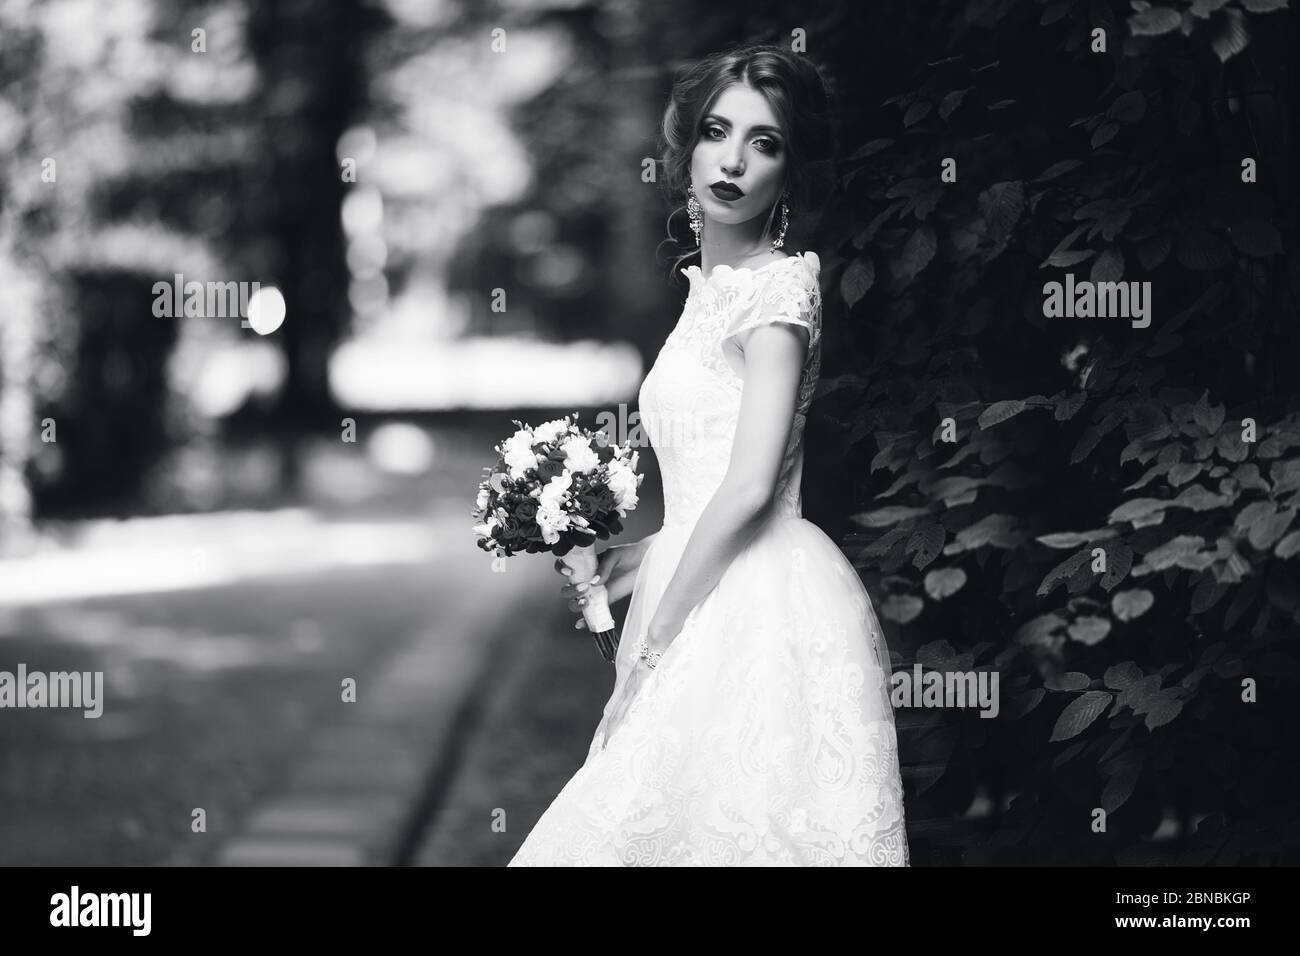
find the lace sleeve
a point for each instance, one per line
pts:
(791, 295)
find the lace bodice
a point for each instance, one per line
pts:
(690, 400)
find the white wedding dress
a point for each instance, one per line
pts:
(766, 735)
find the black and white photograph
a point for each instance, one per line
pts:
(649, 433)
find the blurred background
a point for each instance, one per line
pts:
(439, 212)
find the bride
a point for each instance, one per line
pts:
(750, 721)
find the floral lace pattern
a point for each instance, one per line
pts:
(765, 737)
(691, 419)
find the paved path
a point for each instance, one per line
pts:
(361, 790)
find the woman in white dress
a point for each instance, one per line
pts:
(750, 721)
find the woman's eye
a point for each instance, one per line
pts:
(771, 146)
(710, 130)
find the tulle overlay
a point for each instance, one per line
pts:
(765, 736)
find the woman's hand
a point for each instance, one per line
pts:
(616, 566)
(660, 635)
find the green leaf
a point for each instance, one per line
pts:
(1119, 559)
(1002, 205)
(890, 514)
(1067, 539)
(1022, 704)
(926, 543)
(1122, 782)
(870, 148)
(1128, 107)
(1057, 169)
(1069, 681)
(1107, 267)
(857, 279)
(1137, 508)
(901, 607)
(1234, 36)
(1265, 532)
(1154, 21)
(1063, 571)
(998, 530)
(1080, 713)
(1199, 498)
(1184, 472)
(1000, 411)
(1089, 629)
(1285, 476)
(1132, 604)
(1037, 630)
(1289, 546)
(944, 582)
(1104, 134)
(1169, 553)
(916, 254)
(1208, 416)
(1163, 711)
(1069, 406)
(1119, 676)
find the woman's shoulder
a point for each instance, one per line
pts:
(799, 269)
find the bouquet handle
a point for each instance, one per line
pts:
(582, 562)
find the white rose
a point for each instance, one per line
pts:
(518, 453)
(552, 521)
(623, 483)
(549, 431)
(578, 455)
(553, 491)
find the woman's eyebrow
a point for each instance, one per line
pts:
(761, 128)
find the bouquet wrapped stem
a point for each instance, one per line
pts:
(582, 562)
(557, 489)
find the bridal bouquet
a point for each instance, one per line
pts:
(557, 488)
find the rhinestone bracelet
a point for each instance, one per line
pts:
(649, 656)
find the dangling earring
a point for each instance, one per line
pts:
(695, 211)
(785, 221)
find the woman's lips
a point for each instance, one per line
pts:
(725, 192)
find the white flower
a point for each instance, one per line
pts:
(552, 521)
(551, 516)
(549, 431)
(578, 455)
(623, 483)
(555, 489)
(481, 501)
(518, 453)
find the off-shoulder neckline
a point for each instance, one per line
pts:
(722, 268)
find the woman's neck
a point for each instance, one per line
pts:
(735, 246)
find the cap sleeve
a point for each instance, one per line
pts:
(788, 292)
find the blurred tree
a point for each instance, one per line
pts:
(169, 138)
(309, 56)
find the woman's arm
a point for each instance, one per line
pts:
(774, 357)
